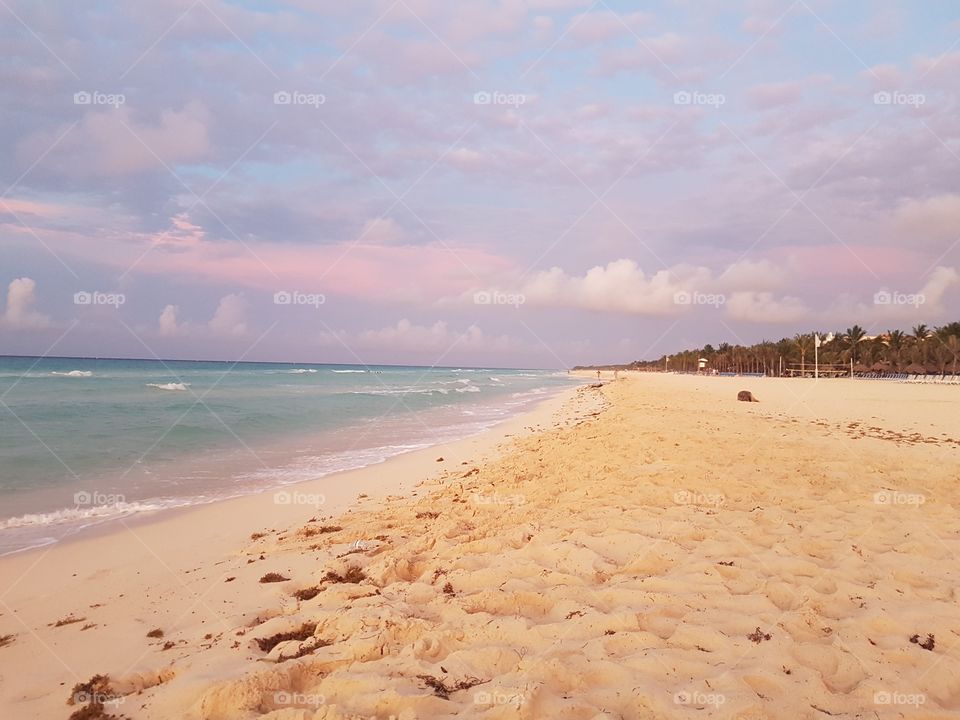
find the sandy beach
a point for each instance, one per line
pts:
(651, 548)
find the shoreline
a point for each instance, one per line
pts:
(288, 456)
(139, 556)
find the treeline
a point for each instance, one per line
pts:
(923, 350)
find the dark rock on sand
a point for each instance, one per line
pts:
(746, 396)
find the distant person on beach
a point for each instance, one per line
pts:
(616, 374)
(598, 374)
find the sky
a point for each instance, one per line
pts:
(525, 183)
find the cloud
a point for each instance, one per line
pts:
(406, 336)
(168, 321)
(21, 295)
(620, 286)
(905, 304)
(602, 26)
(753, 275)
(770, 95)
(623, 287)
(382, 231)
(930, 220)
(763, 307)
(230, 317)
(112, 142)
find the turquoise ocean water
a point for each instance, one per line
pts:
(84, 441)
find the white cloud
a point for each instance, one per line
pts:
(168, 320)
(21, 295)
(405, 335)
(620, 286)
(935, 219)
(231, 316)
(763, 307)
(623, 287)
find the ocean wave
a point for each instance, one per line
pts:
(386, 392)
(468, 389)
(78, 514)
(168, 386)
(74, 373)
(349, 371)
(300, 371)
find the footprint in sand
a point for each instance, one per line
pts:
(840, 671)
(783, 595)
(942, 682)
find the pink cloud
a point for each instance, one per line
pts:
(769, 95)
(364, 270)
(603, 26)
(114, 142)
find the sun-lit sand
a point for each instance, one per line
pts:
(657, 549)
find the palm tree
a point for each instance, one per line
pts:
(803, 343)
(896, 339)
(948, 346)
(920, 334)
(892, 346)
(851, 338)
